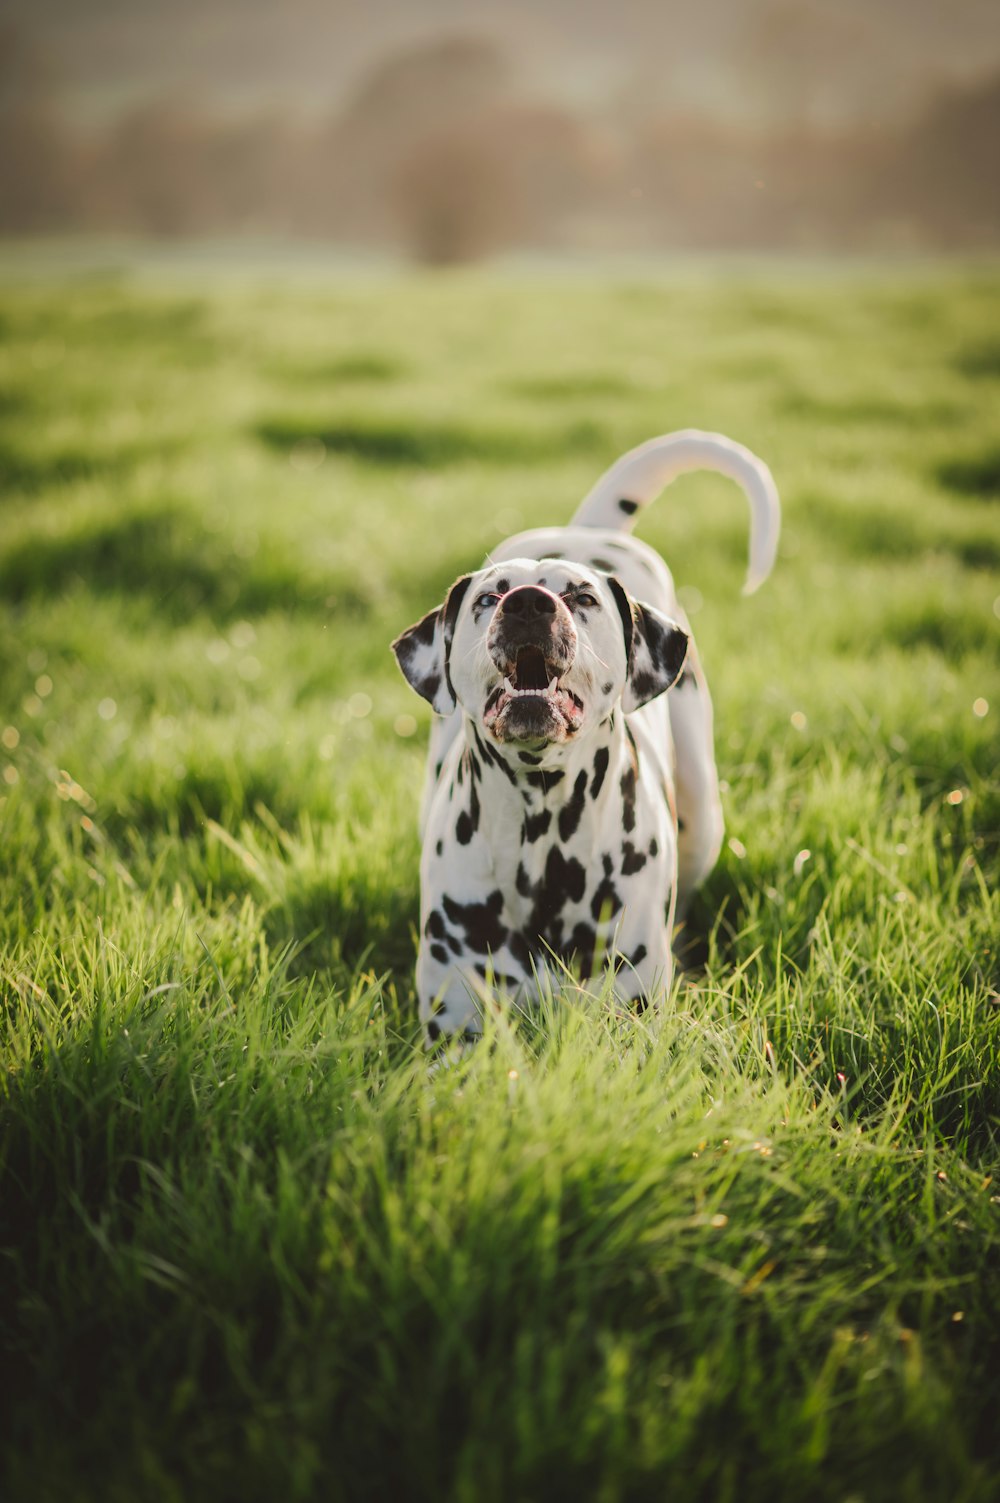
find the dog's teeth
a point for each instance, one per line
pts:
(513, 693)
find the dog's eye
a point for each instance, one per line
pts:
(490, 598)
(586, 599)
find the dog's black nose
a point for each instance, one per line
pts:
(529, 602)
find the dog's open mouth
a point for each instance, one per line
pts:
(530, 703)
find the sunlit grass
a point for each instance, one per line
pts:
(745, 1245)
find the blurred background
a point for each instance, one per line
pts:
(452, 130)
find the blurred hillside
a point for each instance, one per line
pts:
(778, 125)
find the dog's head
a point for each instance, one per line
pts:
(537, 652)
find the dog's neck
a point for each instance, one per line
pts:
(521, 802)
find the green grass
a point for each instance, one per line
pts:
(745, 1246)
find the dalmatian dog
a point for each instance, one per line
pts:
(571, 807)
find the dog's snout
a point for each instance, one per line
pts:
(530, 616)
(529, 603)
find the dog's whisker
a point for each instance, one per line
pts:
(587, 647)
(480, 648)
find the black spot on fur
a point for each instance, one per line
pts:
(523, 881)
(607, 688)
(468, 822)
(545, 780)
(581, 943)
(423, 632)
(667, 645)
(433, 1031)
(644, 684)
(681, 826)
(653, 846)
(529, 759)
(439, 848)
(632, 860)
(480, 921)
(601, 759)
(430, 685)
(605, 902)
(439, 953)
(628, 799)
(520, 949)
(434, 926)
(628, 507)
(637, 956)
(684, 677)
(569, 875)
(624, 606)
(412, 641)
(603, 563)
(500, 978)
(563, 881)
(569, 814)
(536, 825)
(657, 656)
(491, 755)
(502, 586)
(668, 650)
(453, 944)
(451, 608)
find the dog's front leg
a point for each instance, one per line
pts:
(451, 996)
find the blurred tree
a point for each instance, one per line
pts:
(813, 63)
(943, 176)
(440, 153)
(169, 168)
(43, 171)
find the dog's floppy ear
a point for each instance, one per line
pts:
(654, 647)
(423, 651)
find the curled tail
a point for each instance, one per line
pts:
(641, 474)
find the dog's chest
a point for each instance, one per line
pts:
(573, 860)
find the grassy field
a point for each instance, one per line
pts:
(745, 1246)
